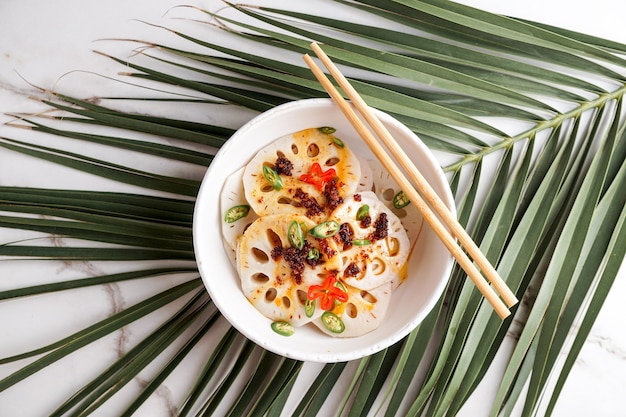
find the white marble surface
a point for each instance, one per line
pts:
(43, 42)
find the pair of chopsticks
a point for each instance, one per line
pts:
(455, 229)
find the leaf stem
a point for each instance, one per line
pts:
(557, 120)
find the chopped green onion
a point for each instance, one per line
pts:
(294, 233)
(309, 307)
(332, 322)
(325, 229)
(283, 328)
(313, 255)
(361, 242)
(338, 142)
(327, 130)
(363, 212)
(400, 200)
(272, 177)
(237, 212)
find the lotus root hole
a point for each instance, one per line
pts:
(266, 188)
(279, 154)
(312, 150)
(260, 255)
(301, 294)
(270, 295)
(388, 194)
(294, 149)
(332, 161)
(286, 302)
(401, 213)
(274, 239)
(378, 266)
(393, 246)
(351, 310)
(260, 278)
(286, 200)
(368, 297)
(324, 275)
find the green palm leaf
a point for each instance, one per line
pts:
(552, 218)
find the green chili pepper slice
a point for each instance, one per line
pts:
(272, 177)
(361, 242)
(327, 130)
(343, 288)
(332, 322)
(283, 328)
(313, 255)
(237, 212)
(325, 229)
(338, 142)
(309, 307)
(363, 212)
(294, 233)
(400, 200)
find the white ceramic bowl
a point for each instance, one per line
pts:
(428, 268)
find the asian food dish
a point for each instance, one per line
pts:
(318, 235)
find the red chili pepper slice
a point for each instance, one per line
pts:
(327, 293)
(317, 177)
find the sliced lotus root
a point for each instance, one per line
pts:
(268, 265)
(367, 176)
(273, 177)
(386, 189)
(236, 214)
(363, 312)
(374, 249)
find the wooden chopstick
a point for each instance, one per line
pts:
(455, 228)
(424, 188)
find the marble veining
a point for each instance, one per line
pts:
(113, 292)
(608, 345)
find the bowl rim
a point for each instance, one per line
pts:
(230, 316)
